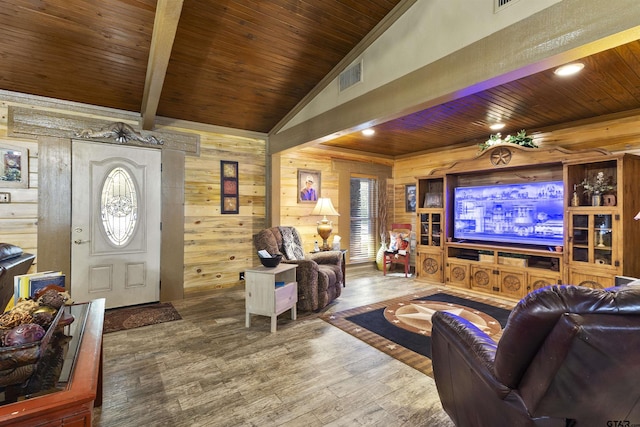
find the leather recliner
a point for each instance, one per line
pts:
(13, 262)
(568, 356)
(319, 275)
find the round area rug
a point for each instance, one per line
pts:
(415, 316)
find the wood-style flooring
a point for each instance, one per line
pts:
(209, 370)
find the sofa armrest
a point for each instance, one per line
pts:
(327, 257)
(453, 333)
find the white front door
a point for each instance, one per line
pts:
(115, 224)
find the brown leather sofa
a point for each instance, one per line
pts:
(13, 262)
(319, 275)
(568, 356)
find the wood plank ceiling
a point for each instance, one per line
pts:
(246, 64)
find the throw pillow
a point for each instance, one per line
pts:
(291, 243)
(399, 240)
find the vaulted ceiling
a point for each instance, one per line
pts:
(247, 64)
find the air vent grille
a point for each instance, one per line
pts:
(501, 4)
(350, 76)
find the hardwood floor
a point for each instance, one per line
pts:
(209, 370)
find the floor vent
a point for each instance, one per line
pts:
(498, 5)
(351, 76)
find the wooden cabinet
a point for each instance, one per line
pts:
(602, 235)
(430, 229)
(270, 292)
(457, 273)
(430, 266)
(507, 272)
(597, 243)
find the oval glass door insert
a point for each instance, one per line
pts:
(119, 206)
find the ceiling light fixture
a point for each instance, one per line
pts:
(569, 69)
(368, 132)
(496, 126)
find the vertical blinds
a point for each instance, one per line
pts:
(364, 212)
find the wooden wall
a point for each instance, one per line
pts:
(217, 246)
(336, 169)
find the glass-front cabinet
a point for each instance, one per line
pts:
(592, 237)
(430, 228)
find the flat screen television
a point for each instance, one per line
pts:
(523, 214)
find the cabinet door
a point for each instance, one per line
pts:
(458, 274)
(537, 281)
(512, 283)
(592, 239)
(431, 228)
(483, 279)
(590, 279)
(430, 266)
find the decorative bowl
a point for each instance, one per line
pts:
(271, 262)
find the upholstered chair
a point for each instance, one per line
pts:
(319, 275)
(568, 356)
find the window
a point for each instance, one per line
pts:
(364, 215)
(119, 206)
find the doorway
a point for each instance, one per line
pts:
(115, 223)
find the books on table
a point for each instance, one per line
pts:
(27, 285)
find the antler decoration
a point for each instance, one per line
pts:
(121, 133)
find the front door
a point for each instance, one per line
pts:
(115, 224)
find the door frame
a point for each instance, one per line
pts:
(54, 213)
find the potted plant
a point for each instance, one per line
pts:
(597, 186)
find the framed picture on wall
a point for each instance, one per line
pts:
(14, 166)
(308, 186)
(410, 197)
(230, 202)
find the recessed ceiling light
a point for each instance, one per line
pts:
(569, 69)
(368, 132)
(496, 126)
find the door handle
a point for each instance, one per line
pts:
(80, 241)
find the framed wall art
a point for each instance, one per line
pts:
(14, 166)
(410, 197)
(230, 202)
(308, 186)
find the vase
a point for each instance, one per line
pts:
(596, 199)
(380, 256)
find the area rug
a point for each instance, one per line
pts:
(401, 327)
(118, 319)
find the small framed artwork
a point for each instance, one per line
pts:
(308, 186)
(230, 202)
(14, 167)
(433, 200)
(410, 197)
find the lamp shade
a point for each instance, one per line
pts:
(324, 207)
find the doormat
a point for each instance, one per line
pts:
(401, 327)
(118, 319)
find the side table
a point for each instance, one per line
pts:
(270, 292)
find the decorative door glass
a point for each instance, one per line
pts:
(119, 206)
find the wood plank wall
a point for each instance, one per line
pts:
(218, 246)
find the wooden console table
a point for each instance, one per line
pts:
(70, 403)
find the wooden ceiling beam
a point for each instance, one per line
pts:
(164, 33)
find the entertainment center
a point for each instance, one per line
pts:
(515, 219)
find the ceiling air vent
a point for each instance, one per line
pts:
(498, 5)
(350, 76)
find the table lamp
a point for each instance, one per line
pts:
(324, 207)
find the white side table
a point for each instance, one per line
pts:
(266, 297)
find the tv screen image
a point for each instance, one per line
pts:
(530, 214)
